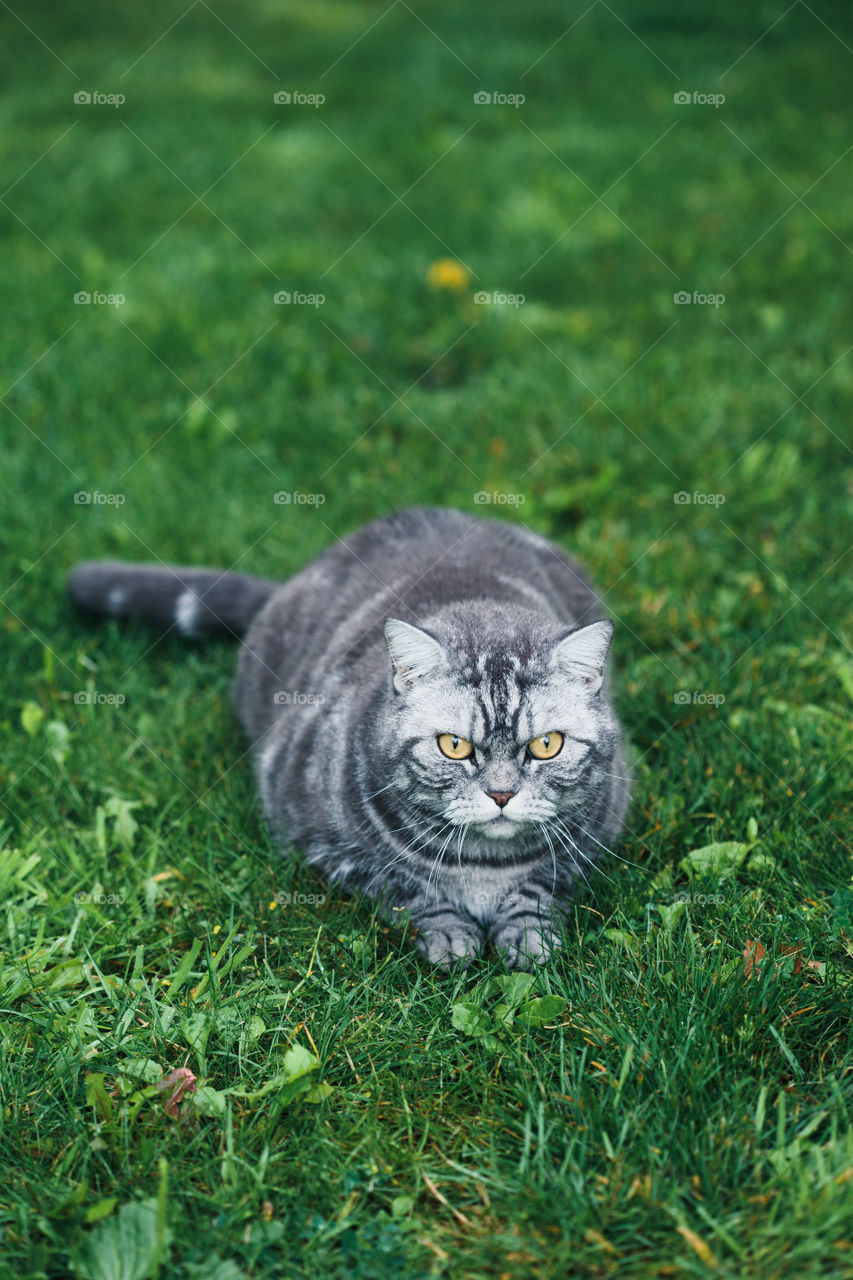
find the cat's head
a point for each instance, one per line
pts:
(499, 723)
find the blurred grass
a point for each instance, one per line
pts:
(652, 1128)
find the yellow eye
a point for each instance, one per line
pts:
(454, 747)
(546, 746)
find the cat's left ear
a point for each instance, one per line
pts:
(415, 656)
(583, 653)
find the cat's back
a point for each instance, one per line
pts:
(432, 556)
(409, 565)
(412, 563)
(435, 545)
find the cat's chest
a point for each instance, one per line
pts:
(488, 892)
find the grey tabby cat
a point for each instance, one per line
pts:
(428, 710)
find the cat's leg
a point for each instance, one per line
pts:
(446, 937)
(528, 934)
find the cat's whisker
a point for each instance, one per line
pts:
(463, 831)
(578, 856)
(430, 834)
(390, 787)
(575, 854)
(618, 857)
(437, 865)
(566, 828)
(547, 836)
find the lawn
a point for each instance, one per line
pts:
(682, 1101)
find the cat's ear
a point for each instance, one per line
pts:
(583, 653)
(414, 655)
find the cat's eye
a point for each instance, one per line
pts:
(546, 746)
(454, 747)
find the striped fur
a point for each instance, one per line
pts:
(423, 623)
(196, 602)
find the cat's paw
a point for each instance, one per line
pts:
(449, 941)
(525, 942)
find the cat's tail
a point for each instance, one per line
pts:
(196, 602)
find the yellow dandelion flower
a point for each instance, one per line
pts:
(447, 273)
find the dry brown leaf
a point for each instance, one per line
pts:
(753, 954)
(698, 1245)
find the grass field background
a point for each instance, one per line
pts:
(682, 1104)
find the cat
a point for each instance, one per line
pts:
(427, 704)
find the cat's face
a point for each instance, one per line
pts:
(497, 742)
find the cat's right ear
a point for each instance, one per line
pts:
(414, 655)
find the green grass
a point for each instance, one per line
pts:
(683, 1111)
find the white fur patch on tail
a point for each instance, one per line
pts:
(115, 599)
(186, 612)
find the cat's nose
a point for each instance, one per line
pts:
(501, 797)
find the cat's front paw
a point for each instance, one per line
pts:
(449, 940)
(525, 942)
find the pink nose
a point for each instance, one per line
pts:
(501, 797)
